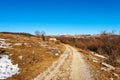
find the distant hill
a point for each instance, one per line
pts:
(18, 33)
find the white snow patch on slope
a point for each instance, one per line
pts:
(108, 66)
(98, 55)
(101, 56)
(3, 44)
(7, 69)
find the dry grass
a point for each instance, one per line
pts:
(35, 58)
(105, 44)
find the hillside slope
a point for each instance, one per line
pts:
(31, 54)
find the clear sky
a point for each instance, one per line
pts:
(60, 16)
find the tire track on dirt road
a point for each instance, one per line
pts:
(70, 66)
(47, 75)
(63, 73)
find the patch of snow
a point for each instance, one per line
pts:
(95, 61)
(108, 66)
(3, 44)
(101, 56)
(56, 54)
(1, 39)
(52, 39)
(93, 58)
(7, 69)
(98, 55)
(115, 74)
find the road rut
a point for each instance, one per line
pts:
(70, 66)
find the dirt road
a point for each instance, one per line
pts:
(70, 66)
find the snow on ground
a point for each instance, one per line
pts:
(108, 66)
(56, 54)
(3, 44)
(7, 69)
(2, 39)
(98, 55)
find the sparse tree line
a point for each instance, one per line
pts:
(40, 34)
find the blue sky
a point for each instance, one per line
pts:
(60, 16)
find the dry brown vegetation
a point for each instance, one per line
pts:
(31, 53)
(107, 45)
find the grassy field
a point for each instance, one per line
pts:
(32, 55)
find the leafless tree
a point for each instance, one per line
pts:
(40, 34)
(43, 35)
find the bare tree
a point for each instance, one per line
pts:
(103, 32)
(43, 35)
(40, 34)
(113, 31)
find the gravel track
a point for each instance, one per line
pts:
(70, 66)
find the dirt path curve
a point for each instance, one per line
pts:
(70, 66)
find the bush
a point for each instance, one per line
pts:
(92, 48)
